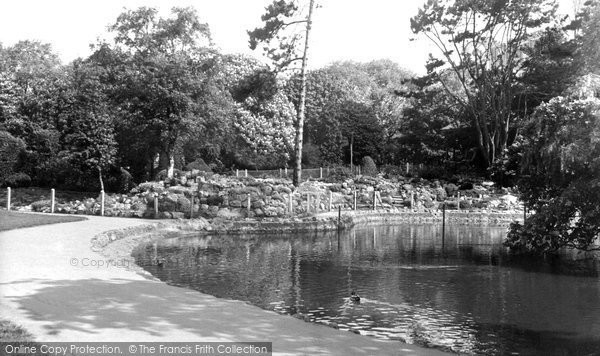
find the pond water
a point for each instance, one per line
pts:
(463, 293)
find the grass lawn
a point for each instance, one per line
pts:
(10, 220)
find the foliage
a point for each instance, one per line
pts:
(86, 124)
(267, 127)
(342, 98)
(11, 149)
(199, 165)
(368, 167)
(560, 167)
(17, 180)
(155, 71)
(283, 45)
(311, 156)
(480, 43)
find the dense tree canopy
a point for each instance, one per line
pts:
(481, 43)
(560, 181)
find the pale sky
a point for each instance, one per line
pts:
(343, 29)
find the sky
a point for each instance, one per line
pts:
(342, 29)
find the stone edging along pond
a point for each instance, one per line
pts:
(319, 222)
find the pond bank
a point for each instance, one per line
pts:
(319, 222)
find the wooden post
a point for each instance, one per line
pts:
(412, 200)
(320, 172)
(339, 215)
(285, 171)
(237, 172)
(407, 167)
(444, 221)
(102, 203)
(290, 204)
(458, 202)
(52, 200)
(328, 171)
(374, 200)
(280, 173)
(355, 200)
(249, 204)
(245, 173)
(330, 200)
(358, 170)
(192, 207)
(155, 206)
(524, 213)
(8, 191)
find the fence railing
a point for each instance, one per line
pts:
(307, 173)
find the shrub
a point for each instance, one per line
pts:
(431, 173)
(11, 149)
(162, 175)
(339, 174)
(17, 180)
(368, 166)
(199, 165)
(40, 205)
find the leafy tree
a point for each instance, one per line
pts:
(333, 91)
(279, 16)
(559, 182)
(433, 132)
(86, 124)
(267, 127)
(481, 43)
(11, 149)
(30, 81)
(157, 75)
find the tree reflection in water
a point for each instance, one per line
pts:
(463, 293)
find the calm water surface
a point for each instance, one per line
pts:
(462, 293)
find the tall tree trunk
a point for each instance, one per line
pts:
(301, 107)
(100, 178)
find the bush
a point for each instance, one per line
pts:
(368, 166)
(17, 180)
(40, 205)
(162, 175)
(431, 173)
(339, 174)
(199, 165)
(11, 149)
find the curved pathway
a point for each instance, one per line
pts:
(57, 288)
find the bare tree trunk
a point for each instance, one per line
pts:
(302, 106)
(100, 177)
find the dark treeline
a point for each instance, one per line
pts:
(161, 95)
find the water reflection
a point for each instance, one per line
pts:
(461, 293)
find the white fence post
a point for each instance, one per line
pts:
(245, 173)
(290, 204)
(330, 200)
(8, 191)
(102, 203)
(52, 200)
